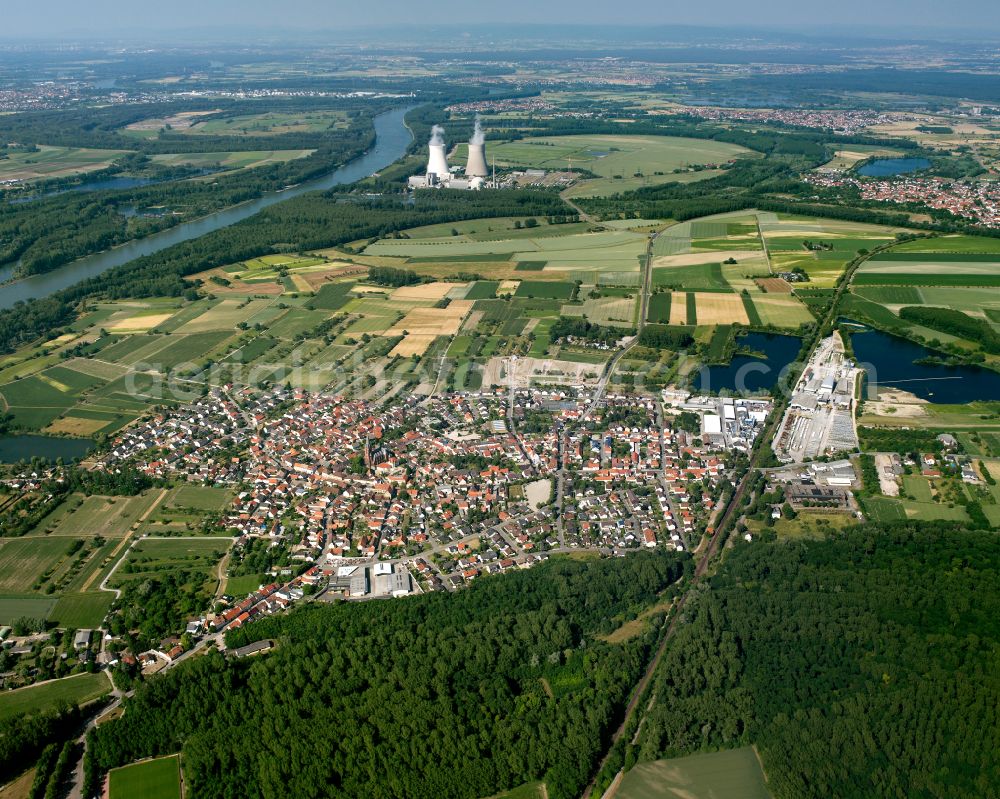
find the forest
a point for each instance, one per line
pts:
(458, 695)
(860, 665)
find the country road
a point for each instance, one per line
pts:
(729, 516)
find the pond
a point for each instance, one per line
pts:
(889, 362)
(25, 447)
(885, 167)
(747, 374)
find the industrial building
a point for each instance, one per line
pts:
(439, 175)
(820, 415)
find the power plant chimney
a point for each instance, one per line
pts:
(437, 162)
(476, 165)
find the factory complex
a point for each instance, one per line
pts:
(820, 417)
(439, 175)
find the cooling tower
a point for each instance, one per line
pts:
(476, 166)
(437, 163)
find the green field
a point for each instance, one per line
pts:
(883, 509)
(150, 779)
(954, 243)
(624, 163)
(78, 689)
(75, 611)
(245, 584)
(701, 277)
(54, 162)
(204, 498)
(732, 774)
(22, 560)
(245, 159)
(482, 290)
(269, 123)
(17, 605)
(542, 289)
(157, 555)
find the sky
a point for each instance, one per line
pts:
(111, 18)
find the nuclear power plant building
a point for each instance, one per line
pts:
(438, 175)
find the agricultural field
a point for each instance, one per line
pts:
(623, 163)
(246, 159)
(956, 273)
(729, 774)
(179, 121)
(150, 779)
(270, 124)
(54, 162)
(155, 556)
(55, 570)
(564, 252)
(78, 689)
(720, 270)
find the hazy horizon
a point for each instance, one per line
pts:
(113, 18)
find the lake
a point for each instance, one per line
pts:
(889, 362)
(392, 139)
(750, 375)
(885, 167)
(25, 447)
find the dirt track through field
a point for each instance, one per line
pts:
(129, 535)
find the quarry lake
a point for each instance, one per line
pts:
(18, 448)
(889, 361)
(746, 374)
(885, 167)
(392, 139)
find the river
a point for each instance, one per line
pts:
(392, 139)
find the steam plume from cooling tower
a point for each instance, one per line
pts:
(437, 135)
(478, 137)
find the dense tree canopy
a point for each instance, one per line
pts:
(443, 695)
(861, 666)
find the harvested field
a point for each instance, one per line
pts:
(424, 291)
(138, 323)
(413, 344)
(716, 308)
(710, 257)
(433, 321)
(774, 285)
(73, 426)
(180, 121)
(678, 308)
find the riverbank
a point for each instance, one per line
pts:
(392, 137)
